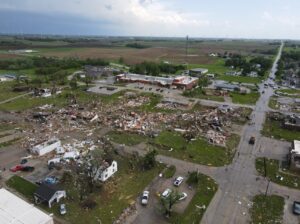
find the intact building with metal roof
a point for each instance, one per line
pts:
(14, 210)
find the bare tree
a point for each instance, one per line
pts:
(168, 202)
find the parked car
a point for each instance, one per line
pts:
(62, 209)
(296, 208)
(178, 181)
(182, 196)
(23, 161)
(16, 168)
(28, 168)
(252, 140)
(166, 193)
(145, 197)
(50, 180)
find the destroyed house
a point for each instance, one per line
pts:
(107, 170)
(48, 194)
(295, 155)
(292, 122)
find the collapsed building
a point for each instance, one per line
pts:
(181, 82)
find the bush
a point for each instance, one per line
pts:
(170, 171)
(89, 204)
(193, 178)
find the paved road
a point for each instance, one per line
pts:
(238, 182)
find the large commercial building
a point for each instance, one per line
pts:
(183, 82)
(14, 210)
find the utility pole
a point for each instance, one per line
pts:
(186, 51)
(265, 166)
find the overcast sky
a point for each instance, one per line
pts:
(196, 18)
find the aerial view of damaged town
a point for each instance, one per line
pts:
(149, 112)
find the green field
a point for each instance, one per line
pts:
(274, 129)
(199, 93)
(249, 99)
(274, 173)
(129, 139)
(198, 151)
(239, 79)
(267, 209)
(6, 91)
(205, 191)
(218, 67)
(22, 186)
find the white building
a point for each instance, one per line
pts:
(295, 155)
(109, 170)
(46, 147)
(14, 210)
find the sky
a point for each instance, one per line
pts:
(263, 19)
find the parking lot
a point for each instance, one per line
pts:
(152, 213)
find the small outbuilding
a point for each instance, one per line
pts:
(47, 193)
(46, 147)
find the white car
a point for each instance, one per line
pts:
(178, 181)
(166, 193)
(145, 197)
(183, 196)
(62, 209)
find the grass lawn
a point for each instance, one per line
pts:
(171, 140)
(290, 92)
(198, 151)
(199, 93)
(274, 128)
(289, 179)
(218, 67)
(273, 103)
(250, 98)
(267, 209)
(205, 191)
(22, 186)
(169, 171)
(129, 139)
(242, 79)
(6, 91)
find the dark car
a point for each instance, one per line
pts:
(296, 208)
(252, 140)
(23, 161)
(28, 168)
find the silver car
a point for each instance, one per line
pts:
(145, 197)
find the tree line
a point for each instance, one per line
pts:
(239, 61)
(154, 69)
